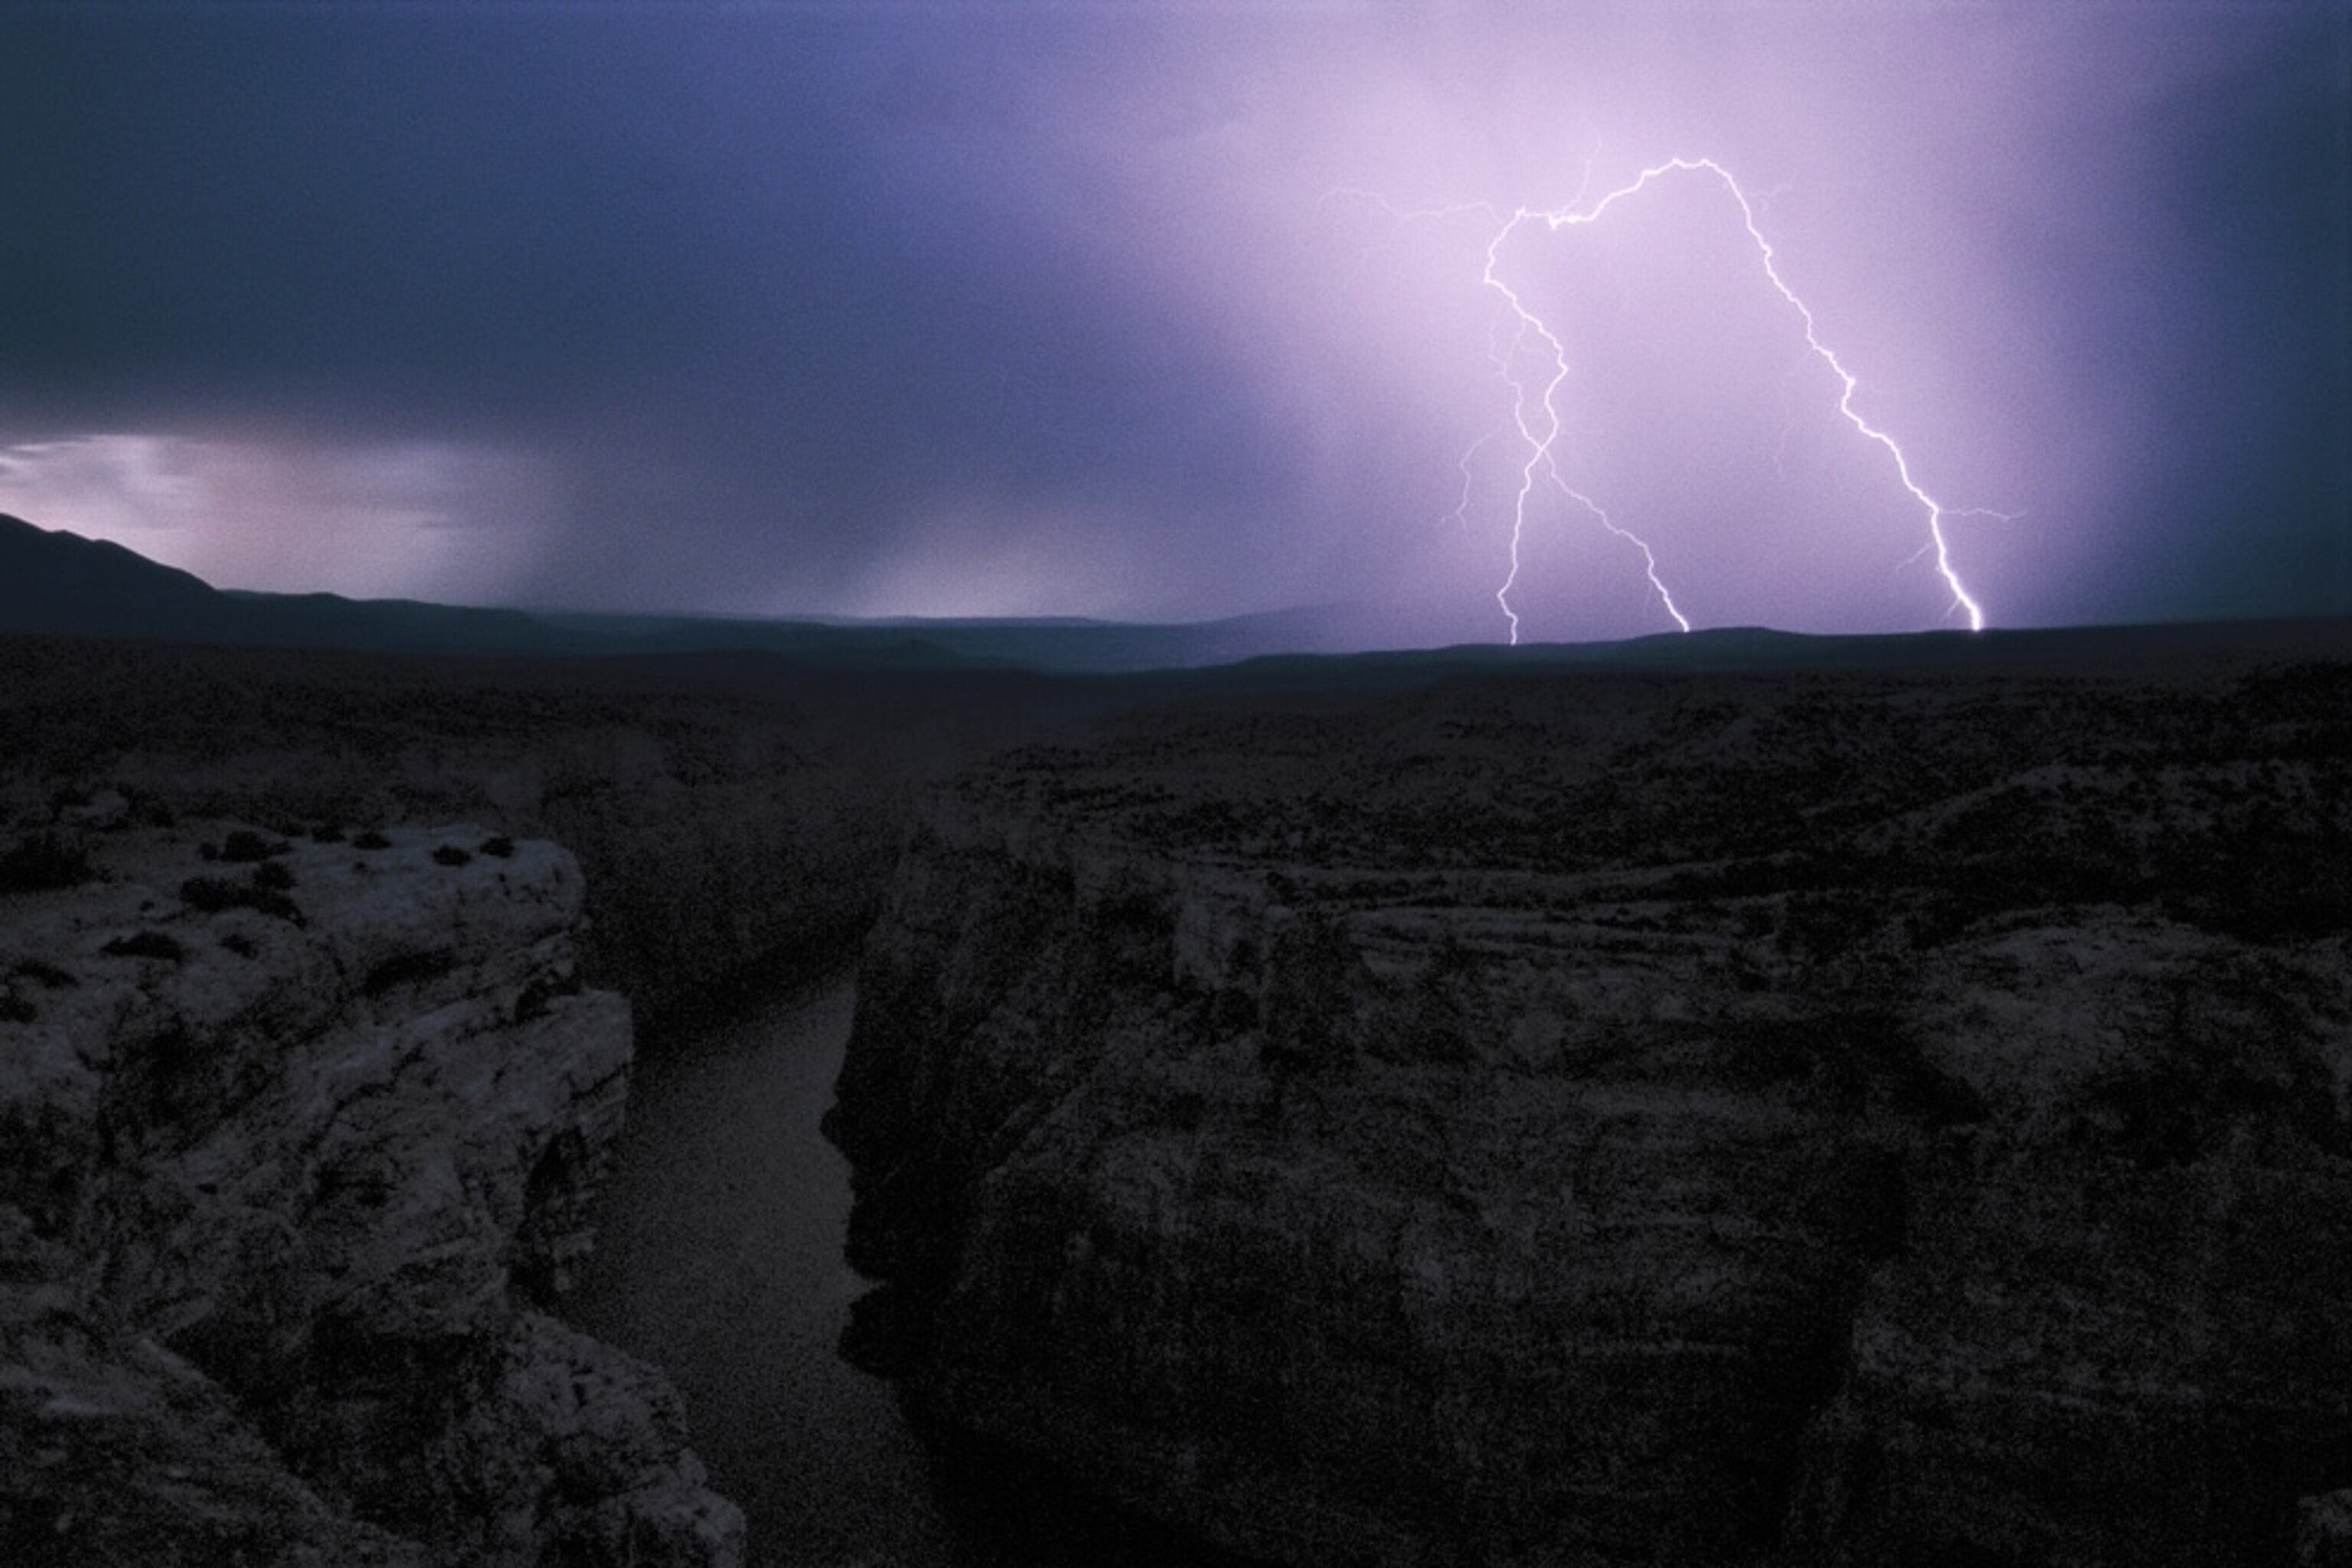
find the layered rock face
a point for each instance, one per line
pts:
(296, 1149)
(1839, 1119)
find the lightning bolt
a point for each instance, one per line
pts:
(1539, 425)
(1535, 413)
(1460, 515)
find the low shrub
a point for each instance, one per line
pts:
(369, 839)
(41, 972)
(146, 944)
(450, 854)
(498, 847)
(244, 847)
(212, 894)
(39, 862)
(408, 969)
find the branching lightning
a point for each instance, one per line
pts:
(1461, 513)
(1539, 428)
(1535, 414)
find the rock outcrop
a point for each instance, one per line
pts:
(1602, 1120)
(296, 1149)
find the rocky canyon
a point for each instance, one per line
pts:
(1833, 1118)
(1729, 1102)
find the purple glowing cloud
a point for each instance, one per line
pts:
(1953, 195)
(1117, 311)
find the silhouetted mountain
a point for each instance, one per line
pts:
(56, 583)
(63, 583)
(59, 583)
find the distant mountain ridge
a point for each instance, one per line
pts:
(57, 584)
(54, 582)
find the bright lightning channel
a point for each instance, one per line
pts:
(1537, 419)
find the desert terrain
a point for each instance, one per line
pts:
(1741, 1101)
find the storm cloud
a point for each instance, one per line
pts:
(1181, 310)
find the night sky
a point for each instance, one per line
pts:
(1155, 311)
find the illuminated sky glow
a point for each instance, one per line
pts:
(1176, 310)
(416, 519)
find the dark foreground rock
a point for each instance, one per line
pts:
(296, 1149)
(1827, 1120)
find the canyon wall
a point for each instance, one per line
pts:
(1824, 1120)
(298, 1142)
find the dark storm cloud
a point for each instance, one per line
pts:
(479, 207)
(664, 242)
(957, 308)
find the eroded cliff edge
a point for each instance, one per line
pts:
(297, 1142)
(1611, 1120)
